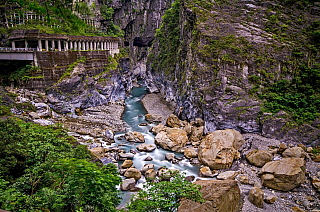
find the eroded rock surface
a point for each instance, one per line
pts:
(284, 174)
(259, 157)
(218, 149)
(172, 139)
(219, 196)
(134, 137)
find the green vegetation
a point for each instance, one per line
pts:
(164, 194)
(231, 44)
(300, 97)
(67, 73)
(23, 73)
(168, 36)
(59, 17)
(5, 110)
(316, 150)
(43, 169)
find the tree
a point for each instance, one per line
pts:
(81, 185)
(164, 194)
(43, 169)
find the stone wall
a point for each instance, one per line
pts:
(54, 64)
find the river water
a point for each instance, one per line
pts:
(134, 114)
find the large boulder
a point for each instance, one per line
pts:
(160, 127)
(173, 121)
(284, 174)
(98, 152)
(188, 128)
(133, 173)
(190, 153)
(146, 167)
(173, 139)
(206, 172)
(127, 184)
(196, 134)
(198, 122)
(146, 147)
(316, 183)
(151, 174)
(170, 156)
(227, 175)
(153, 118)
(218, 195)
(259, 157)
(134, 137)
(218, 149)
(124, 156)
(294, 152)
(127, 164)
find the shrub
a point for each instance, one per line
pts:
(42, 168)
(164, 194)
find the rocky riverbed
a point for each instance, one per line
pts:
(252, 172)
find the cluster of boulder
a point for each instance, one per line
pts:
(278, 167)
(132, 175)
(217, 150)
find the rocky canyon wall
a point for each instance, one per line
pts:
(139, 21)
(215, 59)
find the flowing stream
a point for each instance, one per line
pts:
(134, 114)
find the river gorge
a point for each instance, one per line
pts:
(97, 97)
(134, 115)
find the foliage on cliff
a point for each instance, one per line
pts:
(60, 17)
(168, 36)
(270, 51)
(44, 169)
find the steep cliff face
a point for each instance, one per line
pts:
(81, 89)
(139, 20)
(220, 61)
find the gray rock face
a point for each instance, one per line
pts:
(203, 83)
(43, 110)
(274, 126)
(82, 91)
(139, 19)
(43, 122)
